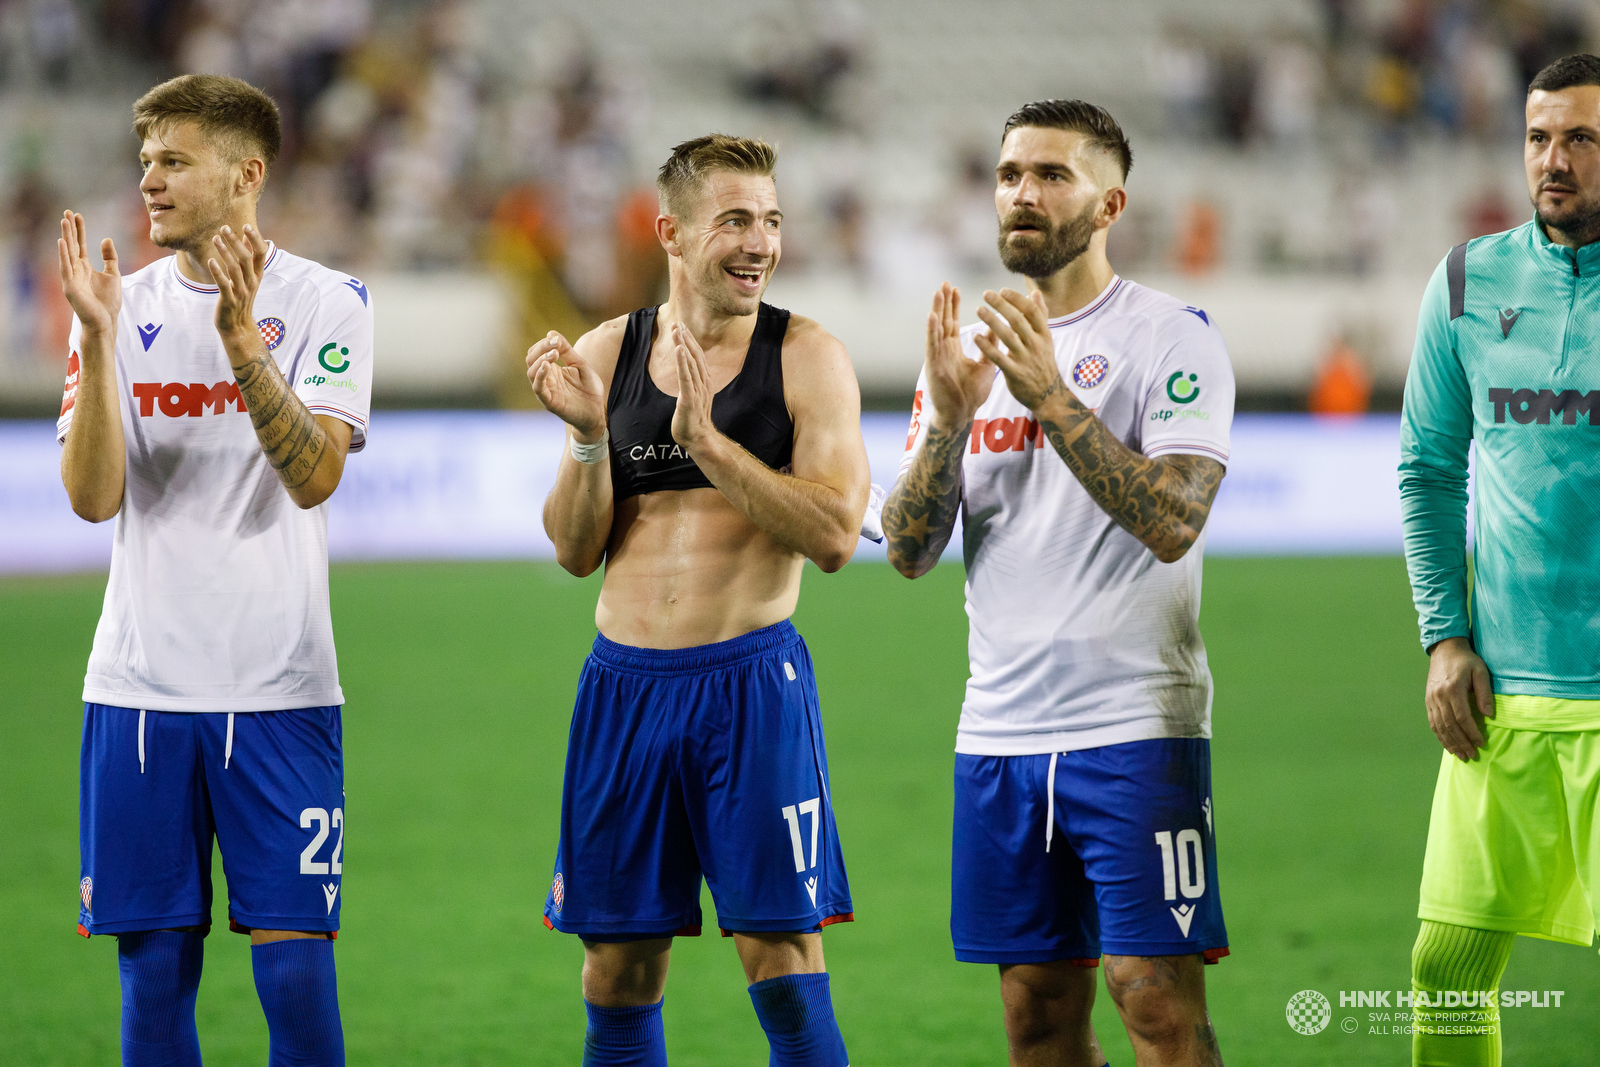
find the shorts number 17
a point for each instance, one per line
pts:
(791, 815)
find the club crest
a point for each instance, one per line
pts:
(557, 893)
(1090, 371)
(272, 331)
(86, 893)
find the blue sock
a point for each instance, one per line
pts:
(300, 996)
(797, 1014)
(160, 977)
(625, 1037)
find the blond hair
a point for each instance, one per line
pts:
(234, 113)
(691, 162)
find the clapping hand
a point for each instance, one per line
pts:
(95, 295)
(691, 419)
(1019, 343)
(568, 387)
(237, 264)
(957, 386)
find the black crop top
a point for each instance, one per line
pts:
(750, 410)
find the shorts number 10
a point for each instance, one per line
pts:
(1185, 874)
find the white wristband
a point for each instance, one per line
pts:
(590, 453)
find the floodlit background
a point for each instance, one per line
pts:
(486, 167)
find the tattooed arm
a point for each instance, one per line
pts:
(1163, 502)
(306, 450)
(920, 514)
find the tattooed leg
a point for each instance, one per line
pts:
(1047, 1015)
(920, 514)
(1162, 1001)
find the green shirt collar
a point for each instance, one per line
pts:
(1560, 255)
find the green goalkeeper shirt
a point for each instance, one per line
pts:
(1508, 356)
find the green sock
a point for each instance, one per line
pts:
(1459, 960)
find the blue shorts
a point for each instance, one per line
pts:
(1131, 864)
(154, 788)
(689, 762)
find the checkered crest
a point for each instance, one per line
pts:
(272, 331)
(1090, 371)
(1308, 1012)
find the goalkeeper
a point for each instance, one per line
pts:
(1506, 357)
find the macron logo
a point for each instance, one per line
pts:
(147, 334)
(360, 289)
(329, 892)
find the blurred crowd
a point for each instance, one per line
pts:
(1451, 67)
(418, 135)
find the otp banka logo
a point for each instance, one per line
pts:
(335, 360)
(327, 365)
(1181, 388)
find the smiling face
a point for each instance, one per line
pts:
(191, 187)
(1562, 155)
(729, 243)
(1053, 193)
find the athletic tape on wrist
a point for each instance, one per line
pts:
(590, 453)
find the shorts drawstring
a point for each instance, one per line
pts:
(141, 741)
(227, 749)
(1050, 804)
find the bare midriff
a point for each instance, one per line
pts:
(687, 568)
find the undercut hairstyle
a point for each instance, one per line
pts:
(1079, 116)
(691, 162)
(1567, 72)
(238, 116)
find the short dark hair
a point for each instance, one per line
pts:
(231, 111)
(1566, 72)
(1079, 116)
(691, 161)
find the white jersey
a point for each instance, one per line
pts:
(218, 596)
(1078, 636)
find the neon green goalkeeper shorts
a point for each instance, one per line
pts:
(1513, 843)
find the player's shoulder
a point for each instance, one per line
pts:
(308, 279)
(1165, 313)
(806, 337)
(601, 347)
(605, 339)
(1512, 240)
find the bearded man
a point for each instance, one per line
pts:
(1505, 367)
(1082, 429)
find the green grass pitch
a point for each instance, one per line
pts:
(460, 680)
